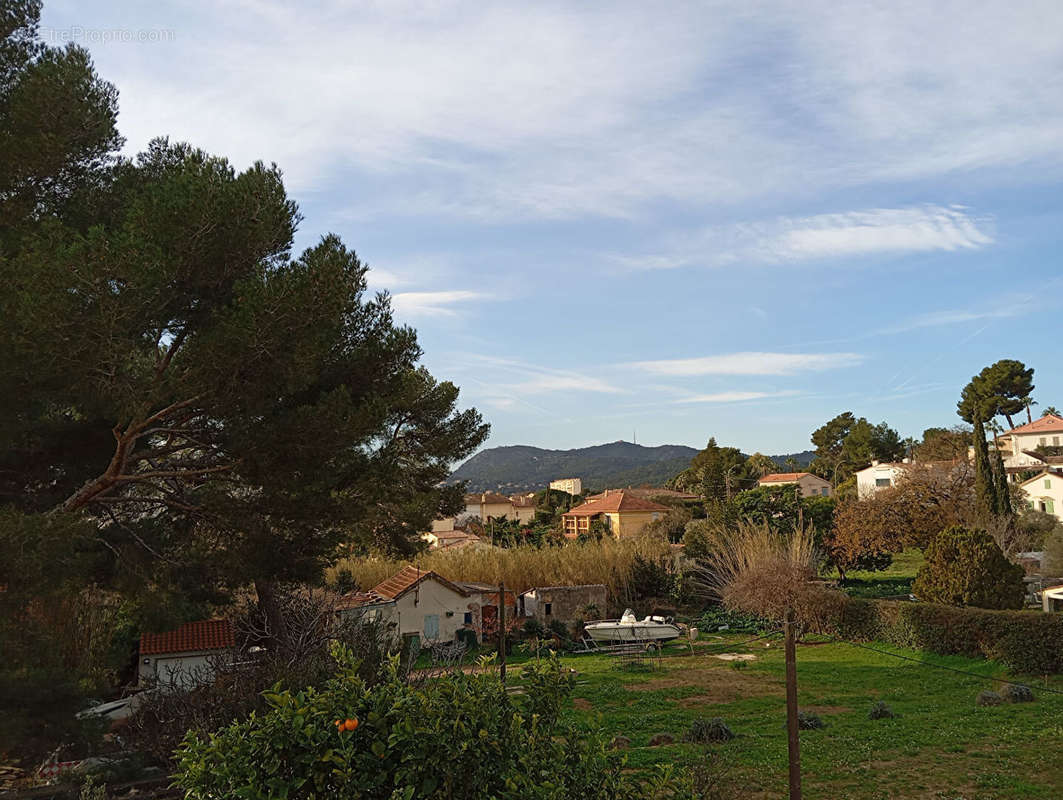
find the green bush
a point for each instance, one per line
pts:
(707, 731)
(738, 621)
(965, 567)
(1023, 641)
(880, 711)
(458, 737)
(807, 721)
(1018, 693)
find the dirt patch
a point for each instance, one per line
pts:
(583, 704)
(736, 657)
(720, 685)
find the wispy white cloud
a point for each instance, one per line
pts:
(559, 110)
(750, 364)
(733, 397)
(881, 231)
(934, 319)
(432, 304)
(523, 378)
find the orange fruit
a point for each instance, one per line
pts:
(351, 724)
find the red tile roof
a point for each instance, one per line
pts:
(783, 477)
(1047, 424)
(409, 577)
(207, 634)
(359, 599)
(647, 492)
(612, 502)
(487, 498)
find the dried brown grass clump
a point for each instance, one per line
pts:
(760, 571)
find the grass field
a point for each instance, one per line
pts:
(941, 744)
(897, 580)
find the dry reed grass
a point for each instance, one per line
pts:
(608, 562)
(756, 570)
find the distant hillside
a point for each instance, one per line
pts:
(804, 458)
(519, 468)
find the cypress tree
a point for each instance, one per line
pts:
(1003, 492)
(984, 485)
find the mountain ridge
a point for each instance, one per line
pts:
(523, 468)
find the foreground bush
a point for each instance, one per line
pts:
(459, 737)
(965, 567)
(1023, 641)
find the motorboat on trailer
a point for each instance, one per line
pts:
(631, 629)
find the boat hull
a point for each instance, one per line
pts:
(636, 632)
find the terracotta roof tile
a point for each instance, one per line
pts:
(208, 634)
(488, 498)
(1046, 424)
(782, 477)
(612, 502)
(409, 577)
(358, 599)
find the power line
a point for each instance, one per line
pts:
(941, 666)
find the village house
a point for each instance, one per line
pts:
(424, 603)
(1044, 492)
(488, 505)
(810, 485)
(370, 606)
(483, 607)
(523, 509)
(877, 477)
(564, 603)
(1018, 447)
(624, 514)
(185, 657)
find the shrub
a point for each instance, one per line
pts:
(965, 567)
(717, 617)
(648, 579)
(880, 711)
(1023, 641)
(458, 737)
(807, 721)
(1018, 693)
(706, 731)
(697, 539)
(533, 628)
(988, 698)
(559, 629)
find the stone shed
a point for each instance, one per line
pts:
(565, 603)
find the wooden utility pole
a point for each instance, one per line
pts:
(502, 631)
(793, 738)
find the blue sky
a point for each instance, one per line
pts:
(673, 222)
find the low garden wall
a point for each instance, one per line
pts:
(1024, 641)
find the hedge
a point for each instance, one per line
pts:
(1023, 641)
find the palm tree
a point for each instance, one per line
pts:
(792, 465)
(1051, 411)
(1028, 402)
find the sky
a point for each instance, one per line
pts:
(660, 222)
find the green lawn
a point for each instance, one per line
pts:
(897, 580)
(941, 745)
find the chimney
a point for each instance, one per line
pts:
(874, 462)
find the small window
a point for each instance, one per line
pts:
(882, 481)
(547, 608)
(824, 492)
(1042, 441)
(468, 618)
(1055, 441)
(1048, 483)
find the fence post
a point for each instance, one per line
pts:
(502, 631)
(792, 734)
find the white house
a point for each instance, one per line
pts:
(1044, 492)
(1018, 445)
(187, 656)
(877, 477)
(426, 603)
(811, 485)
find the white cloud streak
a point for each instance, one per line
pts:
(752, 363)
(522, 109)
(852, 234)
(733, 397)
(432, 304)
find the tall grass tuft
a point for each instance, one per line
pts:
(608, 562)
(756, 570)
